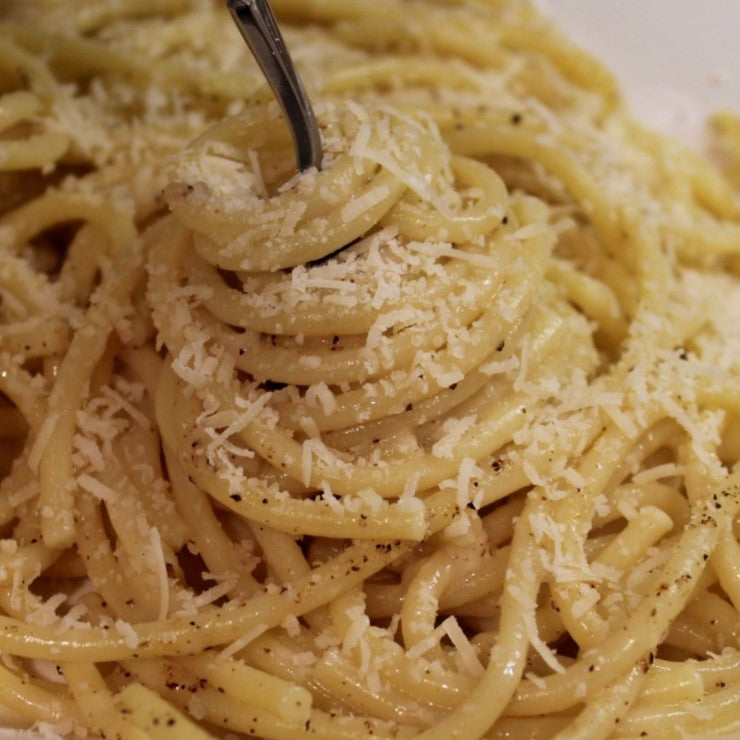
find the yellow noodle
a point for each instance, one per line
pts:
(440, 440)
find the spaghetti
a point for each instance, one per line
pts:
(440, 440)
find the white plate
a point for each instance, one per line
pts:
(677, 60)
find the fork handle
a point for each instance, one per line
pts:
(257, 24)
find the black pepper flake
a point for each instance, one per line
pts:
(516, 118)
(409, 406)
(235, 497)
(500, 346)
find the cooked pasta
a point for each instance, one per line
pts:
(442, 439)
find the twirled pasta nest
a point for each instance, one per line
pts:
(349, 379)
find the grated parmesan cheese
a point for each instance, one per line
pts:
(128, 633)
(96, 488)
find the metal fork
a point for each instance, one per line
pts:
(257, 24)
